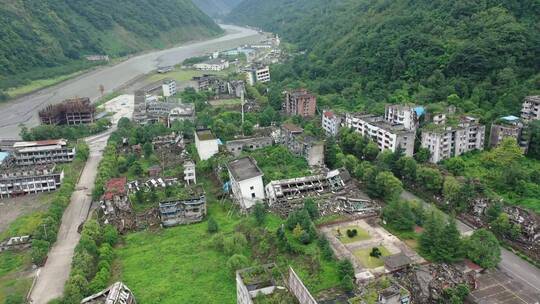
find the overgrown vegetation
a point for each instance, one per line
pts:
(43, 132)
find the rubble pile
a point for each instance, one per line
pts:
(138, 185)
(428, 282)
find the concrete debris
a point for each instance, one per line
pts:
(118, 293)
(16, 243)
(152, 183)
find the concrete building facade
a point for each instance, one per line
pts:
(445, 142)
(402, 114)
(29, 153)
(17, 181)
(387, 136)
(175, 212)
(70, 112)
(169, 87)
(300, 102)
(258, 74)
(212, 65)
(251, 143)
(330, 123)
(206, 143)
(508, 126)
(530, 109)
(190, 175)
(309, 147)
(246, 182)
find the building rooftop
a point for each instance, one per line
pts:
(205, 134)
(26, 144)
(3, 156)
(301, 93)
(397, 261)
(292, 128)
(393, 128)
(115, 186)
(244, 168)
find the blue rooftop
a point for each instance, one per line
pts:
(420, 111)
(3, 156)
(510, 118)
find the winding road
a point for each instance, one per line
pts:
(24, 110)
(51, 278)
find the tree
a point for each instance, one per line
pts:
(212, 225)
(247, 128)
(148, 149)
(311, 207)
(259, 213)
(330, 153)
(110, 235)
(398, 215)
(40, 249)
(237, 262)
(455, 165)
(431, 179)
(375, 252)
(388, 186)
(502, 227)
(483, 248)
(534, 140)
(422, 155)
(345, 268)
(441, 241)
(406, 168)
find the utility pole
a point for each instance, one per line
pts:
(242, 102)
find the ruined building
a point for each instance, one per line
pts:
(249, 143)
(508, 126)
(175, 212)
(530, 109)
(330, 123)
(29, 153)
(117, 293)
(300, 102)
(246, 182)
(446, 141)
(300, 144)
(16, 180)
(190, 175)
(70, 112)
(406, 115)
(309, 186)
(115, 196)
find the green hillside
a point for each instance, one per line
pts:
(484, 54)
(216, 8)
(38, 37)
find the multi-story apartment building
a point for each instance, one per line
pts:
(444, 141)
(175, 212)
(206, 143)
(300, 102)
(309, 147)
(250, 143)
(406, 115)
(70, 112)
(258, 74)
(169, 87)
(508, 126)
(388, 136)
(16, 180)
(330, 123)
(42, 152)
(530, 110)
(246, 182)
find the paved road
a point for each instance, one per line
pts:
(52, 277)
(510, 263)
(24, 110)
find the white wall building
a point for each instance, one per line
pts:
(330, 123)
(212, 65)
(530, 109)
(445, 142)
(402, 114)
(16, 181)
(190, 175)
(206, 144)
(258, 74)
(42, 152)
(169, 87)
(387, 136)
(246, 182)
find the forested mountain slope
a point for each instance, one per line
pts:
(48, 33)
(216, 8)
(483, 53)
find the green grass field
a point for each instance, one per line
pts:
(368, 261)
(13, 279)
(345, 239)
(180, 264)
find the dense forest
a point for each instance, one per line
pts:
(216, 8)
(482, 55)
(41, 35)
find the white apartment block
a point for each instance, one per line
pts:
(330, 123)
(246, 182)
(445, 142)
(190, 176)
(206, 144)
(212, 65)
(402, 114)
(17, 181)
(258, 74)
(28, 153)
(530, 109)
(387, 136)
(169, 87)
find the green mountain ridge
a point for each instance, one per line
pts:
(51, 33)
(216, 8)
(361, 53)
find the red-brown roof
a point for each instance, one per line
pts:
(472, 265)
(115, 186)
(329, 114)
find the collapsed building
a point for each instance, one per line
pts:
(147, 109)
(70, 112)
(174, 212)
(117, 293)
(309, 147)
(264, 281)
(115, 196)
(21, 180)
(16, 243)
(246, 182)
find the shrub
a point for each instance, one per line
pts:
(237, 262)
(347, 283)
(326, 250)
(110, 234)
(375, 252)
(305, 238)
(212, 225)
(259, 212)
(345, 268)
